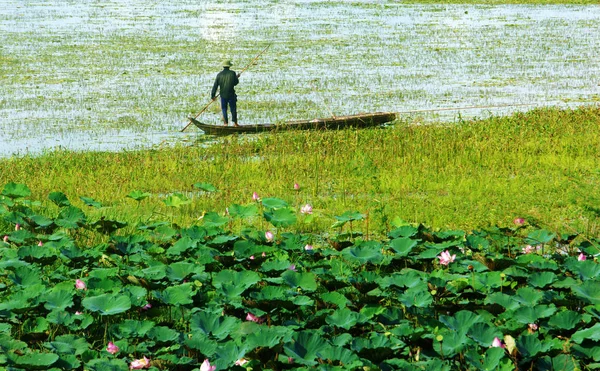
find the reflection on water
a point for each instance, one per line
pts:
(116, 75)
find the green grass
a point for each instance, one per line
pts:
(541, 165)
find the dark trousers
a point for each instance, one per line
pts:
(231, 102)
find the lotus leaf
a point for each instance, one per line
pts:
(416, 297)
(199, 341)
(261, 336)
(592, 333)
(541, 279)
(60, 317)
(273, 203)
(391, 316)
(90, 202)
(40, 253)
(176, 200)
(163, 334)
(40, 221)
(179, 271)
(526, 315)
(34, 360)
(528, 296)
(106, 364)
(507, 301)
(136, 294)
(242, 212)
(132, 328)
(592, 352)
(566, 320)
(402, 246)
(530, 346)
(363, 253)
(70, 217)
(561, 362)
(589, 291)
(26, 277)
(346, 357)
(35, 325)
(181, 246)
(484, 281)
(67, 362)
(104, 285)
(176, 295)
(461, 321)
(228, 353)
(15, 191)
(404, 231)
(373, 340)
(585, 270)
(483, 333)
(453, 343)
(489, 361)
(68, 344)
(59, 199)
(107, 304)
(345, 318)
(335, 298)
(210, 323)
(305, 346)
(206, 187)
(283, 217)
(305, 281)
(155, 272)
(58, 299)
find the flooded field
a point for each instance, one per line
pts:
(125, 74)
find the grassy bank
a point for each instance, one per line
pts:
(541, 165)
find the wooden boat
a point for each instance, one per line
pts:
(332, 123)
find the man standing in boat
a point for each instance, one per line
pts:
(226, 81)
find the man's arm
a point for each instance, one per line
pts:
(213, 92)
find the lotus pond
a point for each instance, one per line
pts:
(88, 75)
(220, 295)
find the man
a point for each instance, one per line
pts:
(225, 81)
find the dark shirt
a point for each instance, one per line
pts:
(225, 80)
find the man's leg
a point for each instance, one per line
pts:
(233, 108)
(224, 110)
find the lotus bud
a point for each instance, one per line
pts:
(112, 348)
(80, 285)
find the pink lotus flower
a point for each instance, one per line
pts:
(17, 226)
(252, 257)
(308, 247)
(138, 364)
(252, 318)
(78, 313)
(80, 285)
(112, 348)
(581, 257)
(6, 239)
(306, 209)
(255, 196)
(147, 306)
(519, 221)
(446, 258)
(530, 249)
(497, 343)
(269, 236)
(40, 244)
(296, 186)
(533, 326)
(206, 366)
(292, 267)
(263, 254)
(241, 362)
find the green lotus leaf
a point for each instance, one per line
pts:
(530, 346)
(59, 199)
(243, 278)
(107, 226)
(345, 318)
(268, 293)
(107, 364)
(228, 353)
(138, 195)
(137, 295)
(67, 362)
(366, 252)
(104, 285)
(212, 219)
(57, 299)
(26, 277)
(592, 352)
(403, 230)
(592, 333)
(585, 270)
(483, 333)
(566, 320)
(335, 298)
(181, 246)
(283, 217)
(302, 300)
(8, 344)
(210, 323)
(176, 200)
(540, 236)
(541, 279)
(528, 315)
(155, 272)
(454, 342)
(489, 361)
(504, 300)
(403, 246)
(273, 203)
(484, 281)
(206, 187)
(68, 344)
(90, 202)
(588, 290)
(132, 328)
(177, 295)
(416, 297)
(107, 304)
(179, 271)
(346, 357)
(528, 296)
(275, 265)
(35, 325)
(37, 252)
(14, 191)
(163, 334)
(60, 317)
(199, 341)
(70, 217)
(372, 340)
(461, 321)
(406, 278)
(304, 347)
(561, 362)
(349, 216)
(242, 212)
(305, 281)
(261, 336)
(34, 360)
(41, 221)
